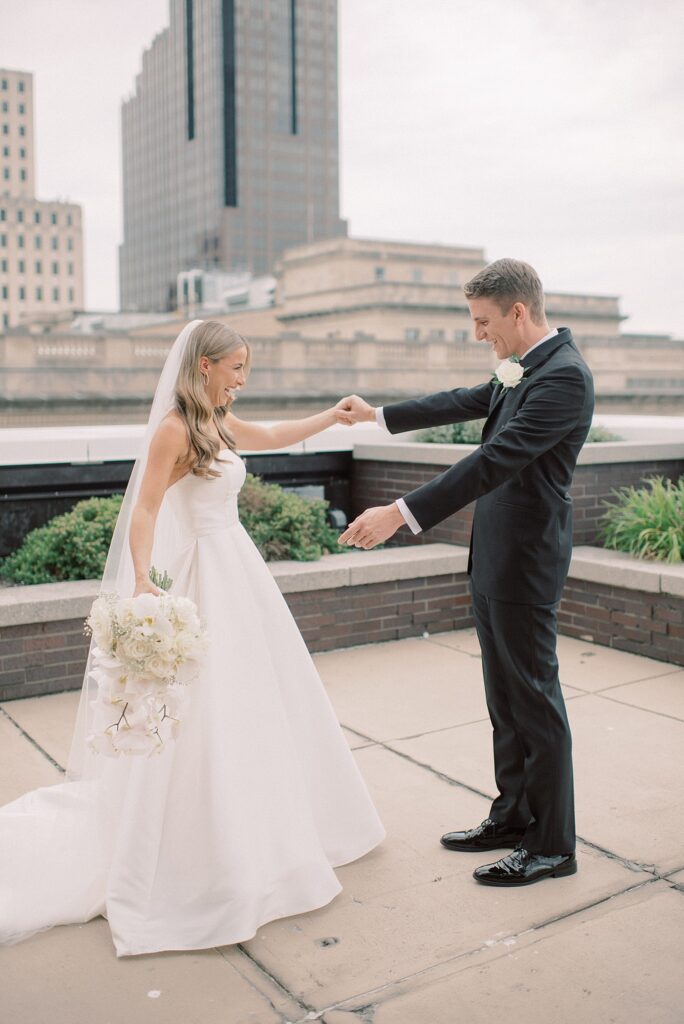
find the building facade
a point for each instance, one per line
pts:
(230, 143)
(41, 241)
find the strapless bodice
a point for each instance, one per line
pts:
(205, 506)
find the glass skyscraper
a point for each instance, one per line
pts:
(230, 142)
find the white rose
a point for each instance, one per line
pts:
(510, 373)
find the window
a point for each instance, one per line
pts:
(20, 241)
(3, 85)
(5, 151)
(3, 266)
(22, 293)
(20, 216)
(53, 218)
(5, 129)
(5, 320)
(39, 294)
(3, 241)
(39, 267)
(55, 268)
(36, 217)
(55, 294)
(22, 153)
(5, 106)
(69, 220)
(71, 295)
(54, 243)
(412, 334)
(70, 269)
(22, 86)
(22, 174)
(416, 276)
(70, 244)
(21, 267)
(379, 273)
(37, 242)
(5, 293)
(22, 130)
(3, 215)
(22, 108)
(6, 173)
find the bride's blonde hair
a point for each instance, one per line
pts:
(213, 340)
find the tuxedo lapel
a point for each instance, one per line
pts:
(530, 364)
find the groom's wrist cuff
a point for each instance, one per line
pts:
(409, 518)
(380, 417)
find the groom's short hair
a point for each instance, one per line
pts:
(506, 282)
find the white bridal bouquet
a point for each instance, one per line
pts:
(147, 648)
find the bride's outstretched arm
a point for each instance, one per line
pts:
(257, 437)
(165, 448)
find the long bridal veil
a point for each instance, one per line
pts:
(56, 841)
(118, 576)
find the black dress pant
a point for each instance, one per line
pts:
(532, 740)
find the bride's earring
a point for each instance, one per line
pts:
(205, 379)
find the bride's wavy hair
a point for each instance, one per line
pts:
(213, 340)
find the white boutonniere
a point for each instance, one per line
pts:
(509, 373)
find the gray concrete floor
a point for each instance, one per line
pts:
(412, 938)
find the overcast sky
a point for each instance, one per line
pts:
(547, 131)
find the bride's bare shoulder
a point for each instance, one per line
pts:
(171, 435)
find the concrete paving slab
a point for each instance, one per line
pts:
(22, 766)
(356, 742)
(409, 687)
(628, 768)
(411, 904)
(587, 969)
(48, 720)
(592, 667)
(72, 976)
(677, 878)
(460, 639)
(662, 694)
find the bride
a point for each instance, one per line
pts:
(242, 819)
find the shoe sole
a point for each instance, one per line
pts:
(481, 849)
(571, 869)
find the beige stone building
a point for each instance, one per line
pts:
(384, 319)
(41, 241)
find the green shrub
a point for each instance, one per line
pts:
(74, 545)
(71, 546)
(284, 525)
(453, 433)
(601, 434)
(648, 521)
(471, 433)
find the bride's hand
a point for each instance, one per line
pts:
(145, 587)
(353, 410)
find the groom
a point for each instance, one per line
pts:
(538, 412)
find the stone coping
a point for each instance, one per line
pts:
(47, 602)
(597, 453)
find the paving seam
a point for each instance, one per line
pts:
(468, 954)
(637, 707)
(310, 1010)
(31, 740)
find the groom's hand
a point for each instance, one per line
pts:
(354, 410)
(374, 526)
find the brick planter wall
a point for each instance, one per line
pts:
(628, 620)
(379, 481)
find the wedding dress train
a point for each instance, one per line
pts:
(238, 822)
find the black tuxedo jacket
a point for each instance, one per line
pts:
(521, 541)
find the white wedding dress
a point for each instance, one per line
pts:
(238, 822)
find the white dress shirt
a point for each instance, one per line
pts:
(409, 518)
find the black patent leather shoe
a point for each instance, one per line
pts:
(523, 868)
(490, 835)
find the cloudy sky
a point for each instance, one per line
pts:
(547, 131)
